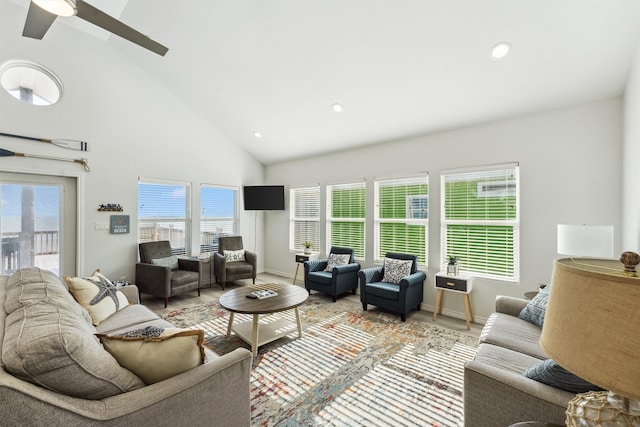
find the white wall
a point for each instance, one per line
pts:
(135, 128)
(631, 159)
(570, 162)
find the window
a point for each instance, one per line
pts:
(481, 220)
(30, 82)
(401, 216)
(164, 213)
(218, 215)
(346, 209)
(304, 217)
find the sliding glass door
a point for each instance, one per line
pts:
(38, 222)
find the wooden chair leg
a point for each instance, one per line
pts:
(334, 299)
(198, 291)
(403, 317)
(166, 301)
(223, 286)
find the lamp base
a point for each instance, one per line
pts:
(602, 409)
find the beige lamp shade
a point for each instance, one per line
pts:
(592, 323)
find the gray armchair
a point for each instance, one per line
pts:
(398, 298)
(162, 274)
(226, 271)
(340, 280)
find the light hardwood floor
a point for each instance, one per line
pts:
(189, 299)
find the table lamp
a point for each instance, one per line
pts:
(592, 328)
(585, 240)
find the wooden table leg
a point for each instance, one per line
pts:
(295, 276)
(298, 322)
(468, 315)
(254, 336)
(438, 308)
(230, 325)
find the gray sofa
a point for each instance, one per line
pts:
(496, 393)
(205, 395)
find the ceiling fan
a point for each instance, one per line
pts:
(42, 13)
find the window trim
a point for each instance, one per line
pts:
(188, 220)
(377, 257)
(487, 171)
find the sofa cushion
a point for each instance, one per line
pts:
(154, 353)
(97, 295)
(47, 341)
(334, 260)
(504, 358)
(170, 261)
(396, 269)
(511, 332)
(536, 308)
(130, 317)
(550, 373)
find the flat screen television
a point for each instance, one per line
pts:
(263, 197)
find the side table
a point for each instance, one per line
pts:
(461, 284)
(300, 259)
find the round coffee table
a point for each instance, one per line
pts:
(257, 334)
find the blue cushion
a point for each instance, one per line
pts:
(322, 277)
(536, 308)
(385, 290)
(550, 373)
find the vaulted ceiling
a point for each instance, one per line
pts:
(398, 68)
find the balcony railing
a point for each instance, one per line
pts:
(39, 243)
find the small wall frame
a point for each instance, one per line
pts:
(119, 224)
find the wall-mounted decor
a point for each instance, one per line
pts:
(7, 153)
(110, 207)
(119, 224)
(71, 144)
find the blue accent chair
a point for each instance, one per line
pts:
(340, 280)
(400, 298)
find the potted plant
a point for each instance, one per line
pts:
(307, 246)
(452, 265)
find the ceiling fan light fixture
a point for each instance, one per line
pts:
(58, 7)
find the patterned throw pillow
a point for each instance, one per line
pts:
(396, 269)
(97, 295)
(550, 373)
(170, 261)
(155, 354)
(335, 260)
(536, 308)
(234, 256)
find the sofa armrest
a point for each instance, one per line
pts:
(150, 278)
(413, 279)
(251, 258)
(315, 265)
(346, 268)
(510, 305)
(497, 397)
(131, 292)
(185, 399)
(370, 275)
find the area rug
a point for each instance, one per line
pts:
(350, 368)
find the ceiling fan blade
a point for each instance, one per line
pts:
(102, 20)
(38, 22)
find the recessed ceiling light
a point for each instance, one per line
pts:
(257, 134)
(500, 50)
(337, 107)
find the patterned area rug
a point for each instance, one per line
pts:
(350, 368)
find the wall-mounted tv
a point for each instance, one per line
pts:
(263, 197)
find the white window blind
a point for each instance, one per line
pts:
(218, 215)
(346, 214)
(401, 216)
(481, 220)
(304, 218)
(164, 213)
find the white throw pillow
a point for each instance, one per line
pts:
(335, 260)
(234, 256)
(170, 261)
(97, 295)
(396, 269)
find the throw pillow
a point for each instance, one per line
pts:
(97, 295)
(170, 261)
(550, 373)
(536, 308)
(396, 269)
(234, 256)
(335, 260)
(155, 354)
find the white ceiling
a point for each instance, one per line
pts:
(399, 68)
